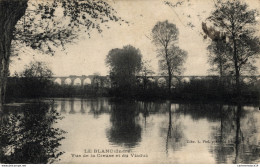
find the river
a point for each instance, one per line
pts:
(110, 131)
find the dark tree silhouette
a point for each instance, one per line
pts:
(124, 65)
(46, 25)
(219, 58)
(145, 71)
(36, 80)
(237, 26)
(29, 136)
(165, 35)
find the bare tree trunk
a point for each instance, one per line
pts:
(237, 72)
(169, 70)
(4, 71)
(170, 81)
(145, 80)
(10, 12)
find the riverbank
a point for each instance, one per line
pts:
(199, 91)
(133, 125)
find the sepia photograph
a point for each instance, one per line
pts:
(130, 82)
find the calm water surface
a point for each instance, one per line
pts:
(143, 132)
(159, 132)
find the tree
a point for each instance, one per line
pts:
(97, 83)
(236, 23)
(165, 35)
(124, 65)
(38, 70)
(145, 72)
(35, 138)
(36, 80)
(174, 62)
(46, 25)
(219, 57)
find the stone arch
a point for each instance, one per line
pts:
(174, 82)
(151, 80)
(96, 81)
(57, 81)
(185, 80)
(68, 81)
(247, 80)
(77, 81)
(161, 82)
(87, 81)
(140, 80)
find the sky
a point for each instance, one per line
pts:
(87, 55)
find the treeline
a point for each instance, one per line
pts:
(35, 82)
(35, 88)
(233, 52)
(217, 89)
(195, 90)
(206, 89)
(126, 63)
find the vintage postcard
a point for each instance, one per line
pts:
(129, 82)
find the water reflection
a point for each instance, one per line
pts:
(72, 111)
(175, 137)
(62, 108)
(232, 129)
(125, 130)
(97, 107)
(82, 110)
(83, 106)
(148, 108)
(29, 136)
(236, 136)
(162, 129)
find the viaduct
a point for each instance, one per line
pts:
(105, 80)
